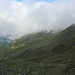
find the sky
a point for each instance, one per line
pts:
(22, 17)
(36, 0)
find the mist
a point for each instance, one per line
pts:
(28, 16)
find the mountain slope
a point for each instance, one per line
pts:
(48, 42)
(41, 54)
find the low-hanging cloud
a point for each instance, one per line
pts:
(21, 18)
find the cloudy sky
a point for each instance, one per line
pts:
(20, 17)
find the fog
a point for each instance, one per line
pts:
(21, 18)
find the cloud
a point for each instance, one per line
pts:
(21, 18)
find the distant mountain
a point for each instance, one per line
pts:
(43, 53)
(4, 40)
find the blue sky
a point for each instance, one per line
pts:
(19, 0)
(38, 0)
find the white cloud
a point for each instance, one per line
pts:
(19, 18)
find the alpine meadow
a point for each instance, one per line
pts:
(37, 37)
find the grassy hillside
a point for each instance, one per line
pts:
(40, 54)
